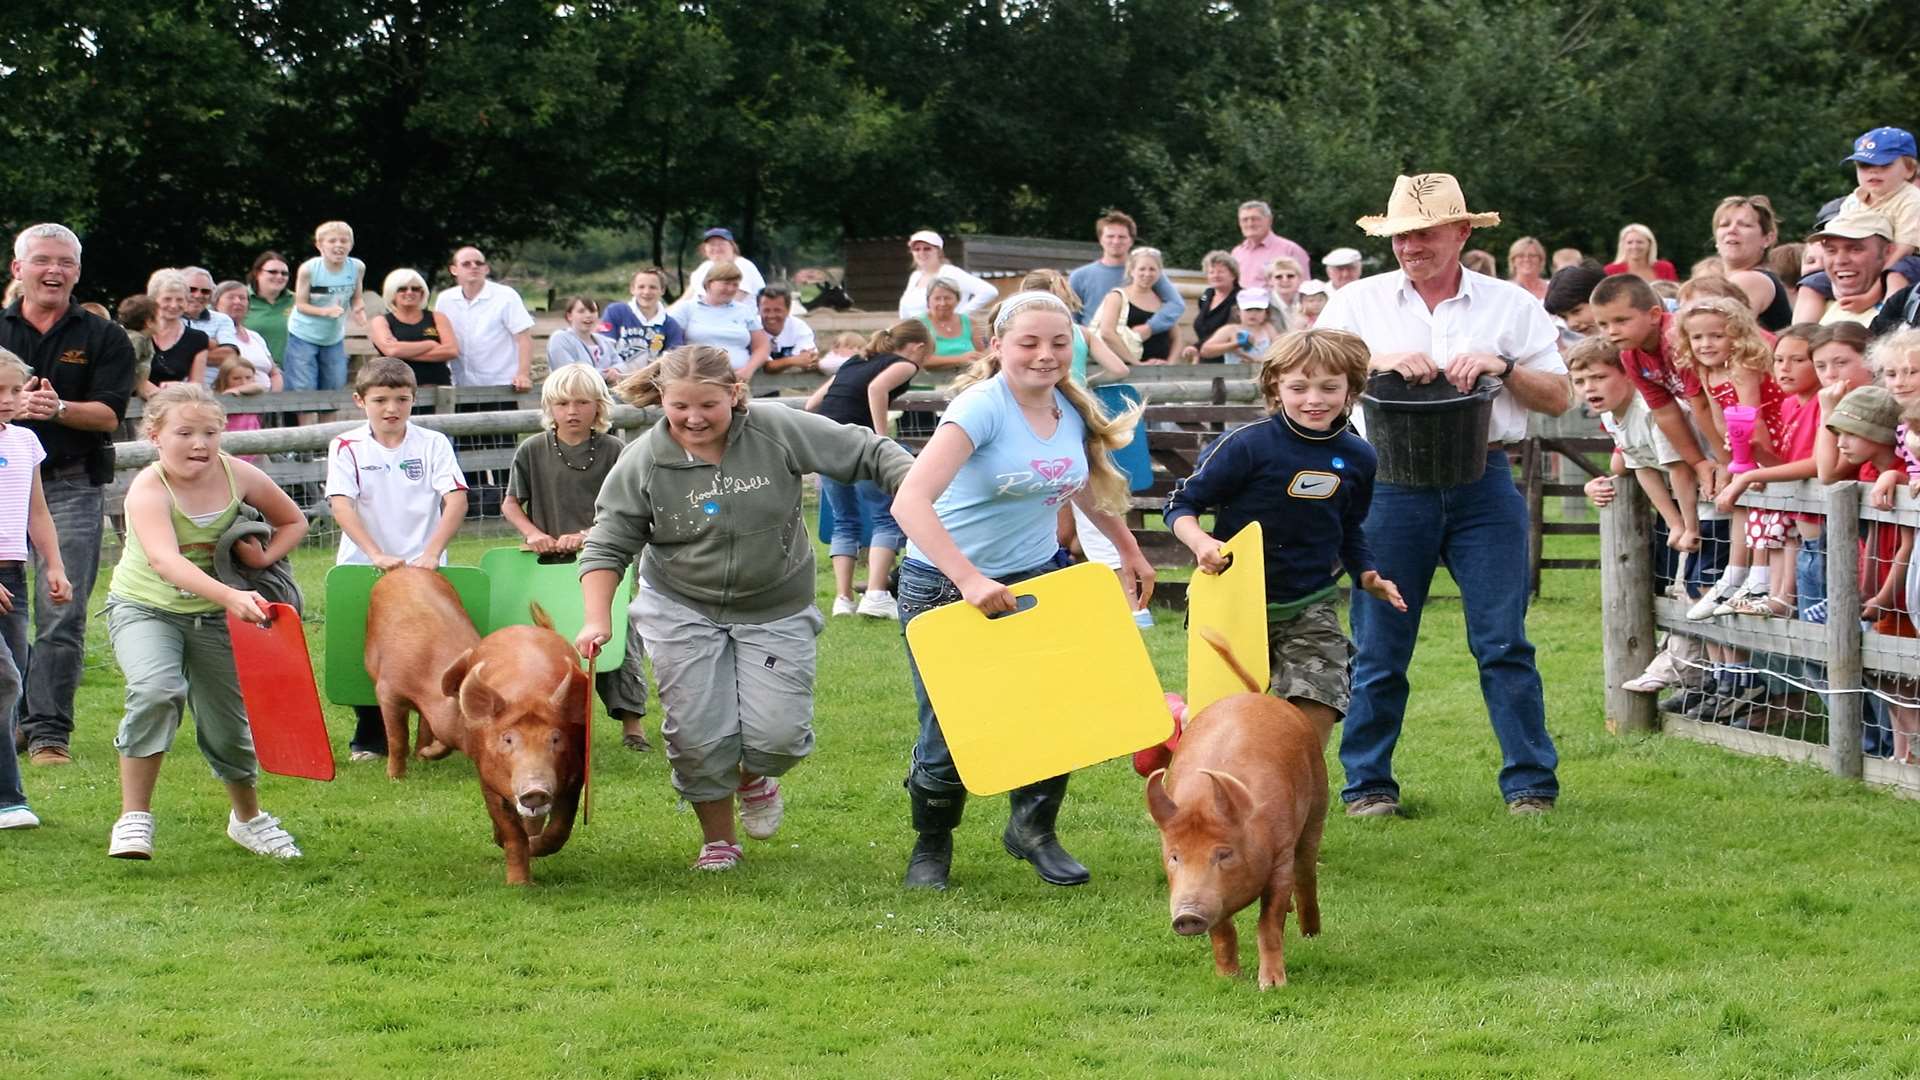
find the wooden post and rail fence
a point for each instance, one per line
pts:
(1855, 662)
(1188, 406)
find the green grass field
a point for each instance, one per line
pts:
(1684, 912)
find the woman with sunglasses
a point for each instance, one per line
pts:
(422, 339)
(270, 283)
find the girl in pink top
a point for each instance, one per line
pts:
(1793, 373)
(1721, 343)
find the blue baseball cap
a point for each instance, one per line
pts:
(727, 234)
(1882, 146)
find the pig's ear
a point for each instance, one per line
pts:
(570, 698)
(477, 700)
(1230, 797)
(1159, 803)
(456, 674)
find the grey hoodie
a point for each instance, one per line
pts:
(728, 540)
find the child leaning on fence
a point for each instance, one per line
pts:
(556, 477)
(23, 517)
(396, 492)
(166, 617)
(1307, 478)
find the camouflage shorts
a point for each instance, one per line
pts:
(1310, 655)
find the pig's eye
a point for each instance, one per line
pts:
(1224, 854)
(508, 738)
(1173, 860)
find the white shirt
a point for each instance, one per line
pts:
(217, 325)
(751, 282)
(254, 351)
(485, 327)
(1486, 315)
(975, 293)
(795, 337)
(397, 492)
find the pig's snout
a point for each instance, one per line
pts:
(1189, 922)
(534, 801)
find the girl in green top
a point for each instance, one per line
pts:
(166, 616)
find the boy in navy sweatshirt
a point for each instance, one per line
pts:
(1307, 478)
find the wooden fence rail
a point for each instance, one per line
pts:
(1854, 659)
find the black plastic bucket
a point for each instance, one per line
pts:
(1428, 434)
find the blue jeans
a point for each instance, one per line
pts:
(315, 367)
(845, 501)
(13, 633)
(1480, 529)
(55, 662)
(923, 588)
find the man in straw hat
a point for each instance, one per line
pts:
(1433, 318)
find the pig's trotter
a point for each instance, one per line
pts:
(434, 751)
(393, 717)
(511, 836)
(1272, 935)
(1226, 948)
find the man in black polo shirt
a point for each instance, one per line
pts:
(83, 377)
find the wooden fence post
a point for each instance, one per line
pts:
(1844, 708)
(1626, 605)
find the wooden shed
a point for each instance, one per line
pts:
(877, 267)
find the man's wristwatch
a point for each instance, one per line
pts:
(1508, 370)
(60, 410)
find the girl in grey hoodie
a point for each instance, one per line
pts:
(709, 500)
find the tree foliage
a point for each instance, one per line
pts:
(176, 130)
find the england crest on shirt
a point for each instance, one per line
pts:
(414, 468)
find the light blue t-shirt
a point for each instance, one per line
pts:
(1002, 505)
(325, 288)
(730, 327)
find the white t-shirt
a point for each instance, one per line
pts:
(254, 351)
(1486, 315)
(751, 281)
(975, 293)
(397, 491)
(20, 458)
(795, 337)
(486, 328)
(1641, 443)
(217, 325)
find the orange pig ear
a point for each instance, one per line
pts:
(1230, 797)
(456, 674)
(1159, 803)
(477, 700)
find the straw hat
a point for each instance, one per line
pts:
(1421, 201)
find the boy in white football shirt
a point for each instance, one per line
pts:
(397, 494)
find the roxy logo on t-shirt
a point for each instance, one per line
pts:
(1047, 475)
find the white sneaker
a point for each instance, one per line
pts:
(761, 808)
(1659, 675)
(879, 604)
(18, 817)
(1732, 603)
(262, 836)
(843, 605)
(132, 836)
(1702, 608)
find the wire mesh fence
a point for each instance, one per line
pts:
(1788, 631)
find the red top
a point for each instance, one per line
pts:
(1876, 562)
(1654, 375)
(1771, 412)
(1662, 270)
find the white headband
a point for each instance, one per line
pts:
(1018, 302)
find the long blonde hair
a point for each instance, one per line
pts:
(576, 381)
(1750, 349)
(1105, 433)
(689, 363)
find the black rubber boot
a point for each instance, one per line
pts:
(1030, 836)
(935, 816)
